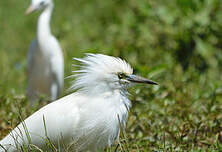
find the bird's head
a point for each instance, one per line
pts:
(38, 5)
(102, 72)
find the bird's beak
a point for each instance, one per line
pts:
(29, 10)
(138, 79)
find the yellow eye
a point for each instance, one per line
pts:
(121, 75)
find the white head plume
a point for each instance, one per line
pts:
(99, 70)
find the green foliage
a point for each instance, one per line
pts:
(176, 43)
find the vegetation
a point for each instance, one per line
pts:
(176, 43)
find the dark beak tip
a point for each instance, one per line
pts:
(151, 82)
(138, 79)
(154, 83)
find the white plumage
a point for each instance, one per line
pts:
(45, 59)
(88, 119)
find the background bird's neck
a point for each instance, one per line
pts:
(43, 27)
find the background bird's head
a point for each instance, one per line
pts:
(105, 73)
(38, 5)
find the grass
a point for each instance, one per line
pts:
(177, 44)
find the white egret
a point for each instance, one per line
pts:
(90, 118)
(45, 58)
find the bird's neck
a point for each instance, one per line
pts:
(107, 92)
(43, 27)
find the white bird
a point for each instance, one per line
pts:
(88, 119)
(45, 58)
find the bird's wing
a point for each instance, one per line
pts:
(56, 120)
(60, 116)
(57, 63)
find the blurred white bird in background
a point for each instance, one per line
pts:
(45, 58)
(90, 118)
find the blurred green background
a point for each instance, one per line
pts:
(177, 43)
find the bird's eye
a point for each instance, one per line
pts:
(121, 75)
(42, 3)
